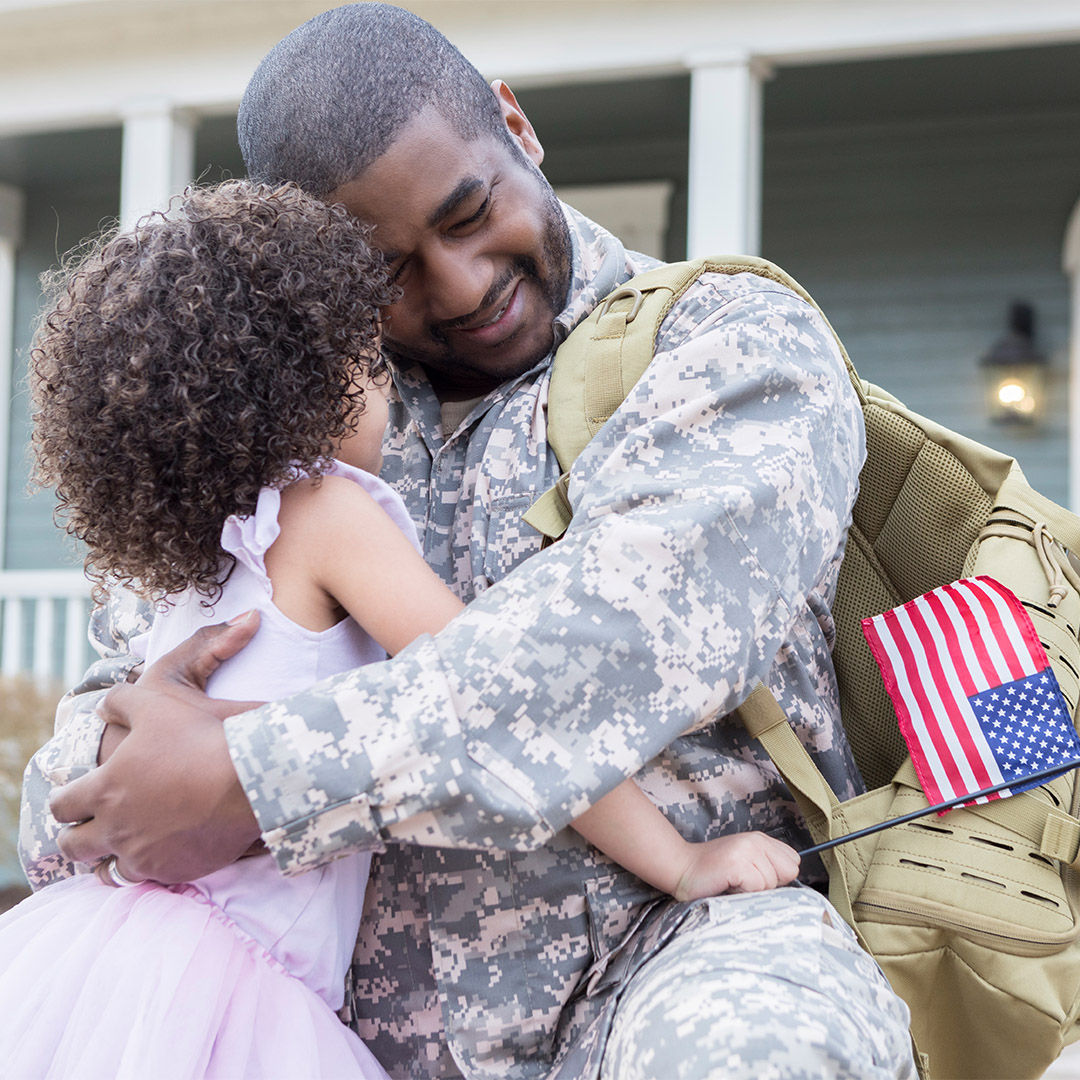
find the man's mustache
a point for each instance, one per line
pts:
(522, 267)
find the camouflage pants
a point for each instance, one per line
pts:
(760, 986)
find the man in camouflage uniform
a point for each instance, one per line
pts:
(710, 515)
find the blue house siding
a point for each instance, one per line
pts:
(916, 232)
(71, 183)
(915, 198)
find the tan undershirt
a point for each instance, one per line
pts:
(451, 413)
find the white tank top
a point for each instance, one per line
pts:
(308, 922)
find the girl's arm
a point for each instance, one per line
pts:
(627, 827)
(339, 550)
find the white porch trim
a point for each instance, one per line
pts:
(158, 157)
(44, 598)
(1070, 262)
(12, 206)
(724, 189)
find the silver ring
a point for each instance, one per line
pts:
(116, 877)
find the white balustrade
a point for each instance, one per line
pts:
(43, 618)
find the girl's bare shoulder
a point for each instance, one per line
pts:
(320, 502)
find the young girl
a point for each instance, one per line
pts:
(210, 411)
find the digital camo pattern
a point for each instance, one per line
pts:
(74, 749)
(709, 522)
(737, 964)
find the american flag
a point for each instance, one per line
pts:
(977, 701)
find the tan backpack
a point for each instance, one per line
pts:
(972, 916)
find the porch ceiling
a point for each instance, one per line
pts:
(922, 87)
(85, 157)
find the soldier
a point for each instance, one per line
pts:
(710, 518)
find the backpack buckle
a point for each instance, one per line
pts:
(627, 292)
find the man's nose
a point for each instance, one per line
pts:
(457, 281)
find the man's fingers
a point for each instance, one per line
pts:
(81, 839)
(73, 802)
(222, 708)
(111, 738)
(113, 707)
(82, 843)
(182, 673)
(193, 661)
(118, 705)
(168, 802)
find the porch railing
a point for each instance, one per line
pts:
(43, 619)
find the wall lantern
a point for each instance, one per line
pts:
(1014, 372)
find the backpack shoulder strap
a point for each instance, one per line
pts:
(607, 353)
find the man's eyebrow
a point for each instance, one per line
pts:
(464, 189)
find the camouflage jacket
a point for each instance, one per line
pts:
(710, 517)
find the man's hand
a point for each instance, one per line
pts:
(167, 801)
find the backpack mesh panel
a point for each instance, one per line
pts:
(884, 473)
(933, 523)
(916, 521)
(867, 712)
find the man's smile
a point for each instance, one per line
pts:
(497, 326)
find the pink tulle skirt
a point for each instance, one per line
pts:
(98, 983)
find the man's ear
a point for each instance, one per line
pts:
(517, 122)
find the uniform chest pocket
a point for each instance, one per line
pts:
(506, 540)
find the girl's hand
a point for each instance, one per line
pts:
(742, 862)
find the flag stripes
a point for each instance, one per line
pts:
(970, 684)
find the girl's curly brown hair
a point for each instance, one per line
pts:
(190, 362)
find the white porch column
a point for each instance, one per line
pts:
(1070, 263)
(158, 157)
(11, 226)
(724, 195)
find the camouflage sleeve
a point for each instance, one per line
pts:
(73, 749)
(705, 511)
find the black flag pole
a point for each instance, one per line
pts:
(1045, 774)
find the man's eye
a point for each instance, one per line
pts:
(473, 218)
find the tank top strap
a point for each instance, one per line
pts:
(248, 538)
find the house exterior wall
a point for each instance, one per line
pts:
(915, 236)
(915, 211)
(58, 217)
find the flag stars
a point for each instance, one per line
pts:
(1011, 728)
